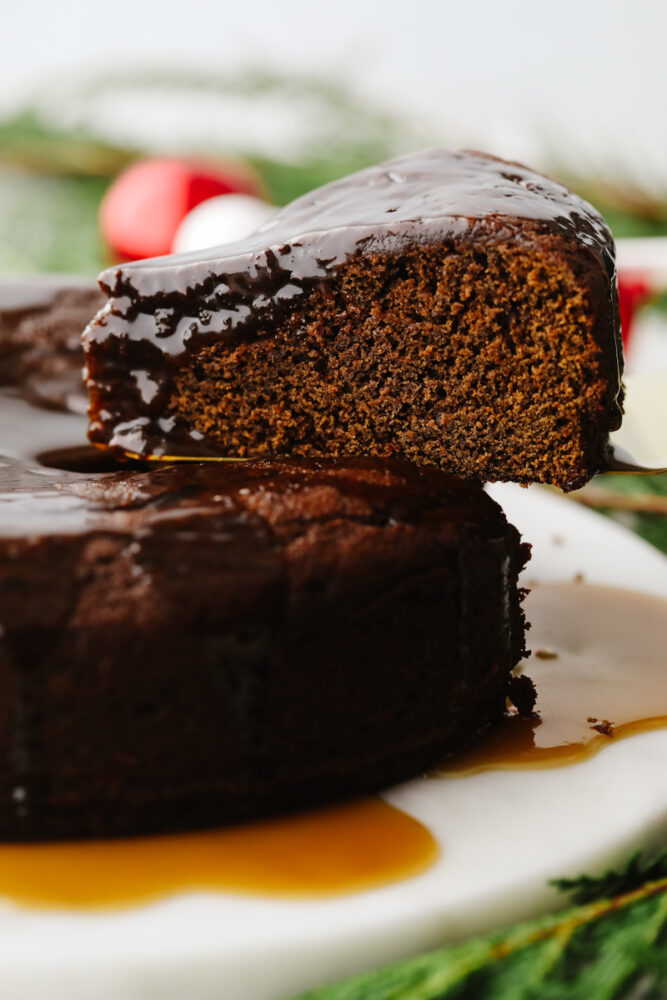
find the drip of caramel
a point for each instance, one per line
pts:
(342, 849)
(599, 664)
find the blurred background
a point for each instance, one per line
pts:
(270, 100)
(307, 91)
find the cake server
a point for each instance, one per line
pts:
(640, 444)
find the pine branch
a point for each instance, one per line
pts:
(29, 143)
(638, 503)
(636, 871)
(607, 949)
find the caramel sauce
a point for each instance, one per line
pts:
(341, 849)
(599, 664)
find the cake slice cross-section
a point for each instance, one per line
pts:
(446, 307)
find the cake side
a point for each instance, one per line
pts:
(41, 320)
(445, 307)
(198, 644)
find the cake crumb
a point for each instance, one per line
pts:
(522, 694)
(546, 654)
(603, 726)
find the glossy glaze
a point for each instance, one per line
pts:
(161, 312)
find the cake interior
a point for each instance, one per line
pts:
(484, 361)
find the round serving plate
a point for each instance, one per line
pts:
(503, 834)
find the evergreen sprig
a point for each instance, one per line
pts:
(650, 525)
(639, 869)
(611, 947)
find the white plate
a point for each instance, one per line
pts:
(503, 835)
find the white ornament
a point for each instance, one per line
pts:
(223, 219)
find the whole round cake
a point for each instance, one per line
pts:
(187, 645)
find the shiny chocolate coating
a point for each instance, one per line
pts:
(41, 321)
(161, 312)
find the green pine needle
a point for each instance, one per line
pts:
(637, 870)
(610, 949)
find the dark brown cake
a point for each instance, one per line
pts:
(447, 308)
(183, 646)
(41, 320)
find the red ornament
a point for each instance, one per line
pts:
(144, 206)
(633, 292)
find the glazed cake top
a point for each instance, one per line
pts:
(426, 197)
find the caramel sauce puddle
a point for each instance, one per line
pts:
(342, 849)
(599, 664)
(599, 660)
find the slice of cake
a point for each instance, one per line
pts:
(446, 307)
(188, 645)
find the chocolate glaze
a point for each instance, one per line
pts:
(163, 311)
(41, 319)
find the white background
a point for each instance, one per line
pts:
(583, 80)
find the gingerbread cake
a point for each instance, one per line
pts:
(189, 645)
(446, 308)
